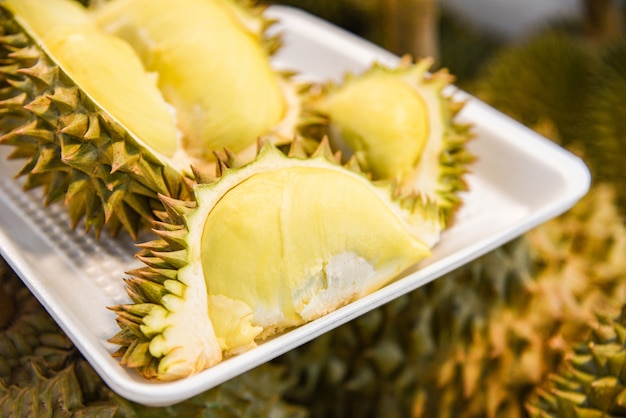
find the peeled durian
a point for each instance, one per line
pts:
(400, 126)
(268, 246)
(106, 131)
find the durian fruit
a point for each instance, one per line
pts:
(101, 140)
(400, 126)
(590, 382)
(605, 114)
(26, 331)
(545, 83)
(472, 343)
(43, 375)
(268, 246)
(107, 132)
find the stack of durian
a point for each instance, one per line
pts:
(532, 328)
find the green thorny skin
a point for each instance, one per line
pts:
(591, 381)
(401, 125)
(220, 260)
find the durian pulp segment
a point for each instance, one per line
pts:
(105, 68)
(212, 70)
(399, 124)
(284, 246)
(381, 121)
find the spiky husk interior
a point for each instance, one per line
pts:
(164, 257)
(73, 149)
(441, 182)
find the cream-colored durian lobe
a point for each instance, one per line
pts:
(399, 124)
(188, 41)
(268, 246)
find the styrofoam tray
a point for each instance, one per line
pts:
(520, 181)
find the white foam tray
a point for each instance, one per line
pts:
(520, 181)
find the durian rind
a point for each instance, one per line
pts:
(416, 142)
(184, 318)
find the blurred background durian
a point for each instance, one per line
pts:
(535, 328)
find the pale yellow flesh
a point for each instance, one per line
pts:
(103, 67)
(382, 118)
(211, 69)
(316, 248)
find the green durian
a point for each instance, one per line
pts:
(544, 82)
(400, 126)
(605, 129)
(266, 247)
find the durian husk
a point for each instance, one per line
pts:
(424, 152)
(591, 380)
(473, 343)
(73, 149)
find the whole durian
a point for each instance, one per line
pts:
(400, 126)
(590, 382)
(604, 116)
(543, 82)
(107, 132)
(474, 342)
(267, 246)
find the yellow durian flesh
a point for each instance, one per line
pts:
(291, 240)
(103, 67)
(381, 121)
(212, 69)
(399, 123)
(296, 243)
(271, 245)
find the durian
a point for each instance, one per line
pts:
(590, 381)
(266, 247)
(400, 126)
(544, 82)
(93, 121)
(605, 130)
(213, 67)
